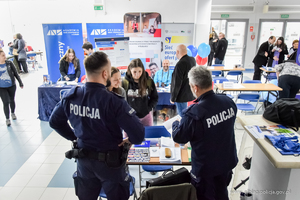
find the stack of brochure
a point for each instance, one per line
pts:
(175, 158)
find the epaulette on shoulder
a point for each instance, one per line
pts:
(191, 112)
(71, 92)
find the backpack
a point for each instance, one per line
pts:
(285, 111)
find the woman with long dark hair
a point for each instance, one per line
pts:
(140, 91)
(8, 73)
(69, 66)
(278, 52)
(115, 81)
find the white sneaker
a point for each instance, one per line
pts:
(8, 122)
(13, 116)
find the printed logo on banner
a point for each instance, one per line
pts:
(55, 32)
(168, 40)
(99, 32)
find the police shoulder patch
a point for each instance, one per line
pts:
(131, 111)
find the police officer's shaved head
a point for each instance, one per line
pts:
(96, 62)
(201, 77)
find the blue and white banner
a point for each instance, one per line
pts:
(104, 30)
(298, 56)
(58, 39)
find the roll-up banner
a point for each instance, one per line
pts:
(58, 39)
(298, 56)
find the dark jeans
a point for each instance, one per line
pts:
(8, 98)
(290, 86)
(24, 65)
(93, 175)
(257, 72)
(210, 59)
(213, 188)
(218, 61)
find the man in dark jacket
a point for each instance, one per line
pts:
(180, 89)
(262, 56)
(209, 126)
(221, 49)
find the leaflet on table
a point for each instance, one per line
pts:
(175, 157)
(168, 124)
(154, 152)
(138, 154)
(273, 130)
(163, 89)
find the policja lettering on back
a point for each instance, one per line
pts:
(84, 111)
(218, 118)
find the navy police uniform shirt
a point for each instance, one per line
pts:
(209, 126)
(97, 117)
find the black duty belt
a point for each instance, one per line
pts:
(84, 153)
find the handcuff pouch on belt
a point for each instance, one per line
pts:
(113, 159)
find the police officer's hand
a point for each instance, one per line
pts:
(126, 140)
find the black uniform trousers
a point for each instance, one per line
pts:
(94, 175)
(8, 98)
(213, 188)
(290, 86)
(257, 72)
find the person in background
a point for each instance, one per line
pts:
(88, 48)
(69, 66)
(180, 89)
(114, 83)
(145, 30)
(213, 145)
(214, 32)
(8, 73)
(221, 49)
(212, 44)
(10, 48)
(28, 48)
(98, 132)
(288, 75)
(293, 50)
(163, 76)
(22, 57)
(153, 69)
(140, 91)
(135, 26)
(281, 47)
(152, 30)
(261, 58)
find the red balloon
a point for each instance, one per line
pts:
(201, 61)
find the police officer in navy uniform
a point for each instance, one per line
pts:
(98, 117)
(209, 126)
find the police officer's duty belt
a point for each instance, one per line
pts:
(84, 153)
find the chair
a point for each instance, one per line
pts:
(62, 92)
(131, 189)
(218, 65)
(261, 99)
(184, 191)
(154, 132)
(220, 79)
(217, 73)
(250, 97)
(238, 74)
(252, 81)
(32, 61)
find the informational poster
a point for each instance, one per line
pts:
(117, 50)
(174, 35)
(144, 30)
(142, 25)
(58, 39)
(104, 30)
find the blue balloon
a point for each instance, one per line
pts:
(193, 49)
(203, 50)
(189, 53)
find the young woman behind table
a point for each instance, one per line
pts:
(115, 81)
(8, 73)
(69, 66)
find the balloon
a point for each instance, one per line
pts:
(203, 50)
(201, 61)
(193, 49)
(189, 53)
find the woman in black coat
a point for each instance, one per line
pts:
(69, 66)
(281, 47)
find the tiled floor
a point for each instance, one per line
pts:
(32, 162)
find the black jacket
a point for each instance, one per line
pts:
(64, 67)
(212, 45)
(260, 58)
(13, 73)
(293, 56)
(221, 49)
(180, 88)
(142, 105)
(281, 56)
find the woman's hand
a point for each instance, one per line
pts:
(280, 50)
(273, 50)
(67, 78)
(275, 58)
(76, 80)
